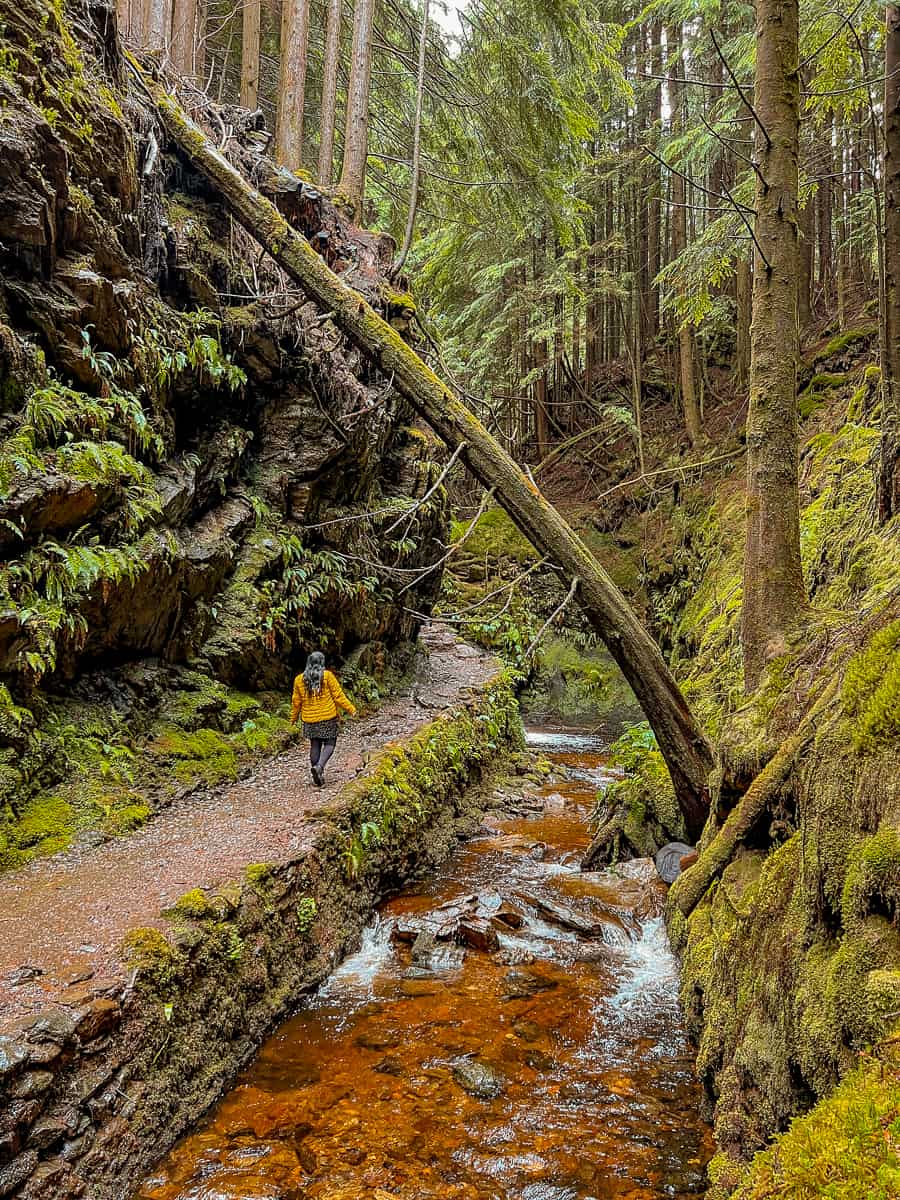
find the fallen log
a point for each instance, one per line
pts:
(682, 742)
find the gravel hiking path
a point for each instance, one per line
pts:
(62, 919)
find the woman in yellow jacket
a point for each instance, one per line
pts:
(316, 700)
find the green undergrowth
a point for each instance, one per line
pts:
(847, 1148)
(88, 769)
(412, 780)
(644, 798)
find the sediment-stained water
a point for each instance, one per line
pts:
(545, 1060)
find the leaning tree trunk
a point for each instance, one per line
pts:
(773, 579)
(889, 476)
(682, 742)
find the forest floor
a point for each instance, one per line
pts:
(63, 919)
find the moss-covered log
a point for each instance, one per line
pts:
(687, 752)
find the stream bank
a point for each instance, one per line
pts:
(102, 1069)
(508, 1030)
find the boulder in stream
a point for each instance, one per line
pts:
(668, 860)
(478, 933)
(478, 1078)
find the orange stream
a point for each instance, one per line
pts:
(355, 1096)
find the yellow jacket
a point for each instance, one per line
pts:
(322, 707)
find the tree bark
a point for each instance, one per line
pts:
(889, 473)
(158, 25)
(292, 83)
(356, 136)
(743, 289)
(252, 12)
(185, 31)
(686, 372)
(329, 92)
(773, 579)
(681, 740)
(416, 146)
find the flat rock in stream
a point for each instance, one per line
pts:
(563, 915)
(478, 1078)
(519, 985)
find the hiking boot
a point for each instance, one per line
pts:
(318, 777)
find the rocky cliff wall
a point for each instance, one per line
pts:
(188, 451)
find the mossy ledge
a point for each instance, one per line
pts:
(99, 1086)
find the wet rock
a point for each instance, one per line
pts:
(518, 985)
(45, 1054)
(32, 1083)
(23, 974)
(508, 917)
(432, 955)
(373, 1039)
(307, 1159)
(668, 860)
(389, 1066)
(528, 1031)
(478, 1078)
(15, 1173)
(47, 1131)
(420, 987)
(101, 1016)
(564, 916)
(514, 956)
(478, 933)
(13, 1056)
(538, 852)
(54, 1025)
(19, 1114)
(405, 930)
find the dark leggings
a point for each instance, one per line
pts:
(320, 751)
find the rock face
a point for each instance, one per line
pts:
(188, 452)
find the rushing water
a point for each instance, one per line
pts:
(552, 1068)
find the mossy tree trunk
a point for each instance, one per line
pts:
(681, 740)
(889, 478)
(773, 579)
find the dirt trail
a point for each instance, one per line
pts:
(62, 919)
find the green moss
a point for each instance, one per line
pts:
(441, 760)
(871, 691)
(194, 904)
(840, 343)
(846, 1148)
(47, 824)
(873, 878)
(158, 965)
(306, 915)
(258, 873)
(494, 537)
